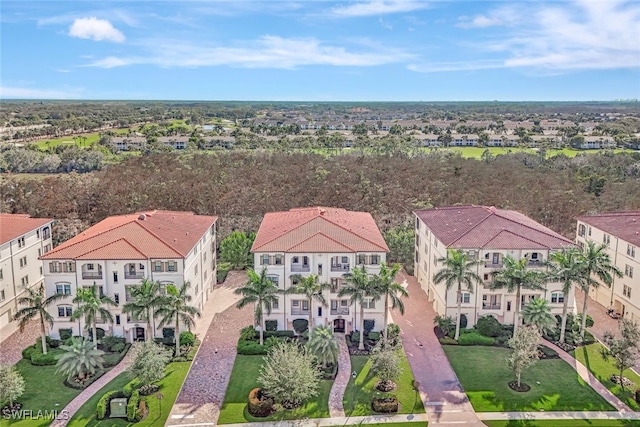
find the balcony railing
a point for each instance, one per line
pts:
(298, 311)
(492, 265)
(340, 267)
(343, 311)
(535, 263)
(89, 275)
(491, 306)
(136, 275)
(300, 267)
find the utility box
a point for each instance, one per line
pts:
(118, 408)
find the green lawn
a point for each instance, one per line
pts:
(169, 386)
(562, 423)
(244, 378)
(365, 389)
(555, 386)
(591, 357)
(45, 144)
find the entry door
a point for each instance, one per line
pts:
(338, 325)
(139, 334)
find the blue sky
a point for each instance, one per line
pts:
(381, 50)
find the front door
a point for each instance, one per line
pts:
(338, 325)
(138, 334)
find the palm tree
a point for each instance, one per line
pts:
(174, 306)
(260, 290)
(90, 306)
(36, 304)
(538, 313)
(458, 270)
(312, 289)
(564, 267)
(145, 298)
(595, 262)
(514, 277)
(385, 283)
(360, 289)
(80, 360)
(324, 345)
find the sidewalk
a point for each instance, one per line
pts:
(336, 395)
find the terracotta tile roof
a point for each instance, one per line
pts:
(143, 235)
(319, 229)
(15, 225)
(623, 225)
(489, 228)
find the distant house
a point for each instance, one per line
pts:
(597, 142)
(465, 140)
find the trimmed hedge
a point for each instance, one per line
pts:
(286, 334)
(374, 336)
(40, 359)
(251, 348)
(385, 404)
(132, 406)
(102, 408)
(259, 405)
(475, 338)
(549, 353)
(448, 341)
(27, 352)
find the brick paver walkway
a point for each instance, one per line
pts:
(336, 395)
(202, 393)
(13, 341)
(441, 392)
(589, 378)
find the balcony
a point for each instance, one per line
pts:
(134, 275)
(299, 311)
(491, 306)
(92, 275)
(343, 268)
(535, 263)
(300, 268)
(342, 311)
(492, 265)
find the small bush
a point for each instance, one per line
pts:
(39, 359)
(54, 343)
(251, 348)
(221, 275)
(638, 395)
(270, 342)
(102, 407)
(393, 333)
(271, 325)
(448, 341)
(112, 343)
(588, 337)
(65, 334)
(259, 404)
(385, 404)
(187, 338)
(287, 334)
(489, 326)
(132, 406)
(248, 333)
(548, 353)
(300, 325)
(142, 409)
(355, 337)
(148, 389)
(27, 352)
(475, 338)
(118, 347)
(368, 325)
(374, 336)
(180, 359)
(86, 383)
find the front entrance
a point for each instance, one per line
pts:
(338, 325)
(138, 334)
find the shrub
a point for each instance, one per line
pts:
(445, 323)
(148, 389)
(54, 343)
(374, 336)
(39, 359)
(187, 338)
(248, 333)
(65, 334)
(102, 408)
(149, 361)
(548, 353)
(287, 334)
(86, 383)
(180, 359)
(355, 337)
(368, 325)
(270, 342)
(589, 320)
(259, 404)
(118, 347)
(221, 275)
(271, 325)
(113, 343)
(142, 409)
(251, 348)
(448, 341)
(638, 395)
(385, 404)
(132, 406)
(393, 333)
(489, 326)
(27, 352)
(588, 337)
(300, 325)
(475, 338)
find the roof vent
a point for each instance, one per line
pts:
(187, 233)
(175, 240)
(322, 211)
(492, 208)
(142, 217)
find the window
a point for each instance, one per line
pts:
(417, 223)
(557, 297)
(582, 230)
(65, 311)
(362, 259)
(435, 242)
(117, 319)
(295, 260)
(2, 295)
(1, 274)
(171, 266)
(471, 255)
(116, 298)
(485, 276)
(589, 232)
(89, 267)
(21, 242)
(157, 266)
(25, 281)
(264, 260)
(626, 291)
(69, 267)
(195, 269)
(39, 252)
(63, 288)
(115, 277)
(23, 262)
(417, 240)
(631, 251)
(46, 233)
(204, 256)
(278, 259)
(466, 297)
(276, 303)
(38, 233)
(375, 259)
(47, 247)
(40, 270)
(606, 239)
(369, 303)
(345, 260)
(273, 278)
(435, 260)
(628, 270)
(417, 256)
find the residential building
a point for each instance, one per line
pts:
(22, 240)
(327, 242)
(620, 231)
(487, 234)
(119, 252)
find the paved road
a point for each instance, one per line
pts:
(440, 390)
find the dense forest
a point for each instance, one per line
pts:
(241, 186)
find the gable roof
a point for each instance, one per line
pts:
(143, 235)
(623, 225)
(319, 229)
(15, 225)
(490, 228)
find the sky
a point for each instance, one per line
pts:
(370, 50)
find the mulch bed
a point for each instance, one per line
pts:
(513, 385)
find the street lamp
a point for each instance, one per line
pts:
(354, 374)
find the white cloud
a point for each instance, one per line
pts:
(506, 15)
(95, 29)
(266, 52)
(7, 92)
(385, 24)
(378, 7)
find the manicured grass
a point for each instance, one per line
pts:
(45, 144)
(405, 424)
(591, 357)
(365, 389)
(555, 386)
(562, 423)
(244, 378)
(44, 391)
(169, 386)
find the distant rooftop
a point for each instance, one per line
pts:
(15, 225)
(623, 225)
